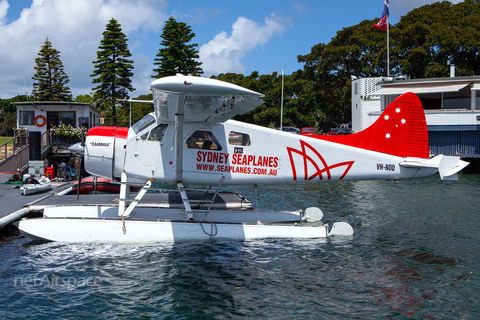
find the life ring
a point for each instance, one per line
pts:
(40, 123)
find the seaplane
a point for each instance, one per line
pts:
(191, 143)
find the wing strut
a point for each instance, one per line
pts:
(125, 195)
(179, 117)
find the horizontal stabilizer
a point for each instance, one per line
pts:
(447, 166)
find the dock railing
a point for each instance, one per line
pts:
(14, 151)
(46, 141)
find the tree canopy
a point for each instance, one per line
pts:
(178, 55)
(112, 69)
(8, 114)
(50, 78)
(431, 37)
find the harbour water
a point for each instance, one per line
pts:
(415, 254)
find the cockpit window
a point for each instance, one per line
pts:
(143, 123)
(158, 132)
(203, 140)
(238, 139)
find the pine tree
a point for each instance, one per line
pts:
(112, 68)
(177, 56)
(50, 79)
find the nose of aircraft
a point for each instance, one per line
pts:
(77, 148)
(100, 146)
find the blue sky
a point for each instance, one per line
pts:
(233, 36)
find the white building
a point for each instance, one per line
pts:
(42, 115)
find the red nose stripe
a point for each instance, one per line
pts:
(117, 132)
(122, 133)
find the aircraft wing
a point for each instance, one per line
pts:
(204, 99)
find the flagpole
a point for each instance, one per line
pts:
(388, 40)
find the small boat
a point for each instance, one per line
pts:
(33, 185)
(96, 185)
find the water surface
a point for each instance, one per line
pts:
(415, 254)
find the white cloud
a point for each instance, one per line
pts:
(4, 5)
(224, 53)
(401, 8)
(74, 28)
(142, 78)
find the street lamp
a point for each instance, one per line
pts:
(281, 105)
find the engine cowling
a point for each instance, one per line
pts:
(100, 150)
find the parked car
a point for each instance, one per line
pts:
(289, 129)
(344, 128)
(308, 131)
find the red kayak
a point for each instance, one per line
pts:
(99, 185)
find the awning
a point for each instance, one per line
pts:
(420, 88)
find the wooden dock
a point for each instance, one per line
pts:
(13, 203)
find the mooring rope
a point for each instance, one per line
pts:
(211, 229)
(124, 228)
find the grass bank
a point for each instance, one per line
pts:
(4, 139)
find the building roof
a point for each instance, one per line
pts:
(391, 86)
(64, 103)
(394, 82)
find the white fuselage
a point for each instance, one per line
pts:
(236, 153)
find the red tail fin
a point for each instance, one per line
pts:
(401, 130)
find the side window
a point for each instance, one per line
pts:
(143, 123)
(158, 132)
(238, 139)
(203, 140)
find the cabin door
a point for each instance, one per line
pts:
(146, 158)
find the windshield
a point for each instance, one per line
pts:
(143, 123)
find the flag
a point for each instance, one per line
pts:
(382, 24)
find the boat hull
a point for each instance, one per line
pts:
(29, 189)
(117, 230)
(99, 185)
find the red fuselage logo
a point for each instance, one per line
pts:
(313, 159)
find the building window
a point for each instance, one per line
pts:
(238, 139)
(67, 118)
(457, 100)
(27, 118)
(203, 140)
(58, 118)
